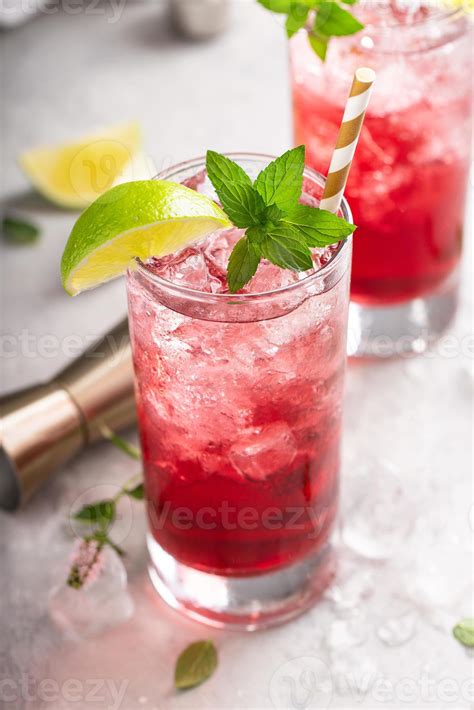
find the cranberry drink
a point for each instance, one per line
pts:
(240, 399)
(408, 181)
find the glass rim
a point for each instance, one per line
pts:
(183, 290)
(377, 31)
(442, 15)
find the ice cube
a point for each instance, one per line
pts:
(261, 451)
(270, 277)
(399, 630)
(101, 602)
(352, 585)
(187, 268)
(428, 582)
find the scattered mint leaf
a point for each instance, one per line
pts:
(195, 664)
(281, 182)
(283, 247)
(138, 492)
(333, 21)
(18, 231)
(318, 227)
(243, 263)
(242, 203)
(120, 443)
(101, 513)
(464, 632)
(296, 19)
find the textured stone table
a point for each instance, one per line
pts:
(382, 636)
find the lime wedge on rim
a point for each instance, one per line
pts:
(136, 219)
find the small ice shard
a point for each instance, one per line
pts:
(377, 515)
(99, 598)
(436, 583)
(398, 630)
(353, 672)
(352, 585)
(347, 633)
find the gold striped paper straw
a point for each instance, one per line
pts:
(347, 139)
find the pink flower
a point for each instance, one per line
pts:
(87, 561)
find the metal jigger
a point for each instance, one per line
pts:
(44, 426)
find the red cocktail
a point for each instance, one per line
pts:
(407, 184)
(239, 405)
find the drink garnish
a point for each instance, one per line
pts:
(322, 18)
(137, 219)
(278, 227)
(348, 137)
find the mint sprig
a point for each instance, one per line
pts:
(278, 228)
(100, 516)
(322, 18)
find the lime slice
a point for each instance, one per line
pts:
(137, 219)
(75, 174)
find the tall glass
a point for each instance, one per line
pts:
(239, 405)
(408, 182)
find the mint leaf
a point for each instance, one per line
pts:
(101, 513)
(296, 19)
(195, 664)
(243, 263)
(120, 443)
(222, 170)
(318, 227)
(283, 247)
(464, 632)
(319, 44)
(281, 182)
(280, 6)
(242, 203)
(333, 21)
(138, 492)
(18, 231)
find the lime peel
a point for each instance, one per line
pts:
(135, 220)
